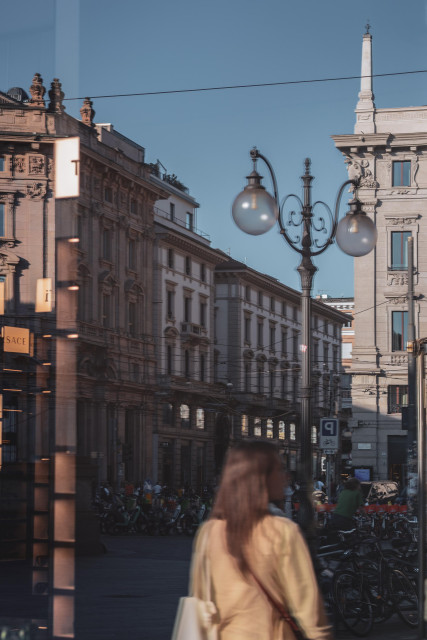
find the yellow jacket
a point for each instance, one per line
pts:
(280, 559)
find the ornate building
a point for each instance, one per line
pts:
(185, 430)
(387, 152)
(257, 355)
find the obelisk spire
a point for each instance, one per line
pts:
(365, 109)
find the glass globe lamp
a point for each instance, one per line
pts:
(254, 210)
(356, 233)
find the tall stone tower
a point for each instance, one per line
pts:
(388, 152)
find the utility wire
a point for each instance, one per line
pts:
(248, 86)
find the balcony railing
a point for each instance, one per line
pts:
(181, 223)
(191, 329)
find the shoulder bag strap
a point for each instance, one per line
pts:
(281, 609)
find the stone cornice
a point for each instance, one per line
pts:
(175, 239)
(102, 163)
(360, 143)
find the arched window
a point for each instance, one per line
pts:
(314, 435)
(184, 412)
(200, 418)
(245, 425)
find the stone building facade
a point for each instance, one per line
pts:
(257, 355)
(387, 152)
(185, 428)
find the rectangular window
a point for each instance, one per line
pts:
(2, 221)
(260, 298)
(169, 360)
(247, 378)
(295, 388)
(200, 418)
(187, 309)
(399, 321)
(132, 255)
(189, 221)
(260, 381)
(108, 194)
(402, 173)
(203, 308)
(295, 313)
(272, 338)
(184, 413)
(187, 363)
(188, 265)
(283, 308)
(315, 353)
(272, 382)
(2, 163)
(245, 425)
(292, 431)
(284, 342)
(281, 430)
(170, 258)
(399, 250)
(132, 318)
(248, 330)
(170, 304)
(284, 385)
(247, 293)
(203, 272)
(397, 397)
(295, 345)
(257, 427)
(335, 358)
(106, 311)
(133, 206)
(106, 244)
(171, 211)
(260, 334)
(202, 370)
(272, 304)
(269, 432)
(326, 355)
(167, 411)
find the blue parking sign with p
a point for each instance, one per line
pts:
(329, 427)
(329, 434)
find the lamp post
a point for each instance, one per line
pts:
(255, 211)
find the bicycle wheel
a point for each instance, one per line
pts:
(352, 602)
(382, 604)
(405, 598)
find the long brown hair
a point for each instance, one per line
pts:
(242, 498)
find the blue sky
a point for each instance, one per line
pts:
(104, 47)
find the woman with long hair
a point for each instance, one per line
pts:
(259, 564)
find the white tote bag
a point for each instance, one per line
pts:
(194, 620)
(195, 617)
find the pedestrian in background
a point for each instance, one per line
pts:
(350, 501)
(258, 564)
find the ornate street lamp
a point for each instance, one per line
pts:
(255, 211)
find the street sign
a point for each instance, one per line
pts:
(329, 434)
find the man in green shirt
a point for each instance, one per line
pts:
(349, 501)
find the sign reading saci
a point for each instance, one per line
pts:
(17, 340)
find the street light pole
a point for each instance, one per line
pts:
(255, 211)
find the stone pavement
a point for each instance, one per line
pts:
(131, 592)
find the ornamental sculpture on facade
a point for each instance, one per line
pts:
(37, 91)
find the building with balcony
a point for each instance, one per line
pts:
(185, 427)
(387, 152)
(257, 355)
